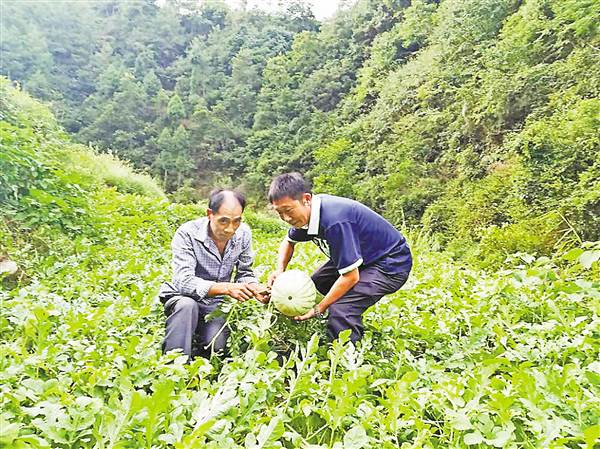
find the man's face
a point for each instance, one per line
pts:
(225, 221)
(294, 212)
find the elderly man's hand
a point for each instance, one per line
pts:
(240, 291)
(261, 292)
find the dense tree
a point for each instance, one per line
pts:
(471, 117)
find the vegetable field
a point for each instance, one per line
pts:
(459, 358)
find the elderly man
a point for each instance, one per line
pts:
(368, 257)
(206, 252)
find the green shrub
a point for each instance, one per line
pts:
(109, 170)
(536, 236)
(264, 223)
(186, 194)
(470, 206)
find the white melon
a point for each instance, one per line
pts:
(293, 293)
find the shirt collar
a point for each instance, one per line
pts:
(202, 229)
(315, 215)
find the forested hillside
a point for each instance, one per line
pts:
(460, 357)
(476, 119)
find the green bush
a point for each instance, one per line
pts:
(186, 194)
(536, 236)
(109, 170)
(50, 187)
(469, 207)
(459, 357)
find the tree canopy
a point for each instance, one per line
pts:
(477, 119)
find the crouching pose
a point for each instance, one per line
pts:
(206, 253)
(368, 257)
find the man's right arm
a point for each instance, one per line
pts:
(237, 290)
(286, 251)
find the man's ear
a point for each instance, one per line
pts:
(306, 197)
(209, 213)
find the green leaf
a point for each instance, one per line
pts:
(593, 378)
(573, 254)
(268, 434)
(410, 377)
(473, 438)
(33, 441)
(356, 438)
(8, 431)
(588, 258)
(312, 345)
(41, 196)
(500, 438)
(460, 421)
(591, 436)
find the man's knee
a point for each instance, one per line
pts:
(181, 323)
(182, 309)
(185, 303)
(324, 277)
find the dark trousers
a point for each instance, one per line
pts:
(346, 312)
(188, 330)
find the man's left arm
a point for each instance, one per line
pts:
(345, 252)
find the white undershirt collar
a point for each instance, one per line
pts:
(315, 215)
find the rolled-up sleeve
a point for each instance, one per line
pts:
(244, 272)
(296, 235)
(184, 268)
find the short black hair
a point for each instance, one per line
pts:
(217, 196)
(292, 185)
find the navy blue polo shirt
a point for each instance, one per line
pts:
(352, 235)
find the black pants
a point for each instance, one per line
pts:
(346, 312)
(187, 329)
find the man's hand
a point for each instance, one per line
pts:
(240, 291)
(260, 292)
(307, 316)
(272, 277)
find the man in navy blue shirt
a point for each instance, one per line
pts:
(368, 257)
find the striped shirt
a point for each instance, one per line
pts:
(198, 264)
